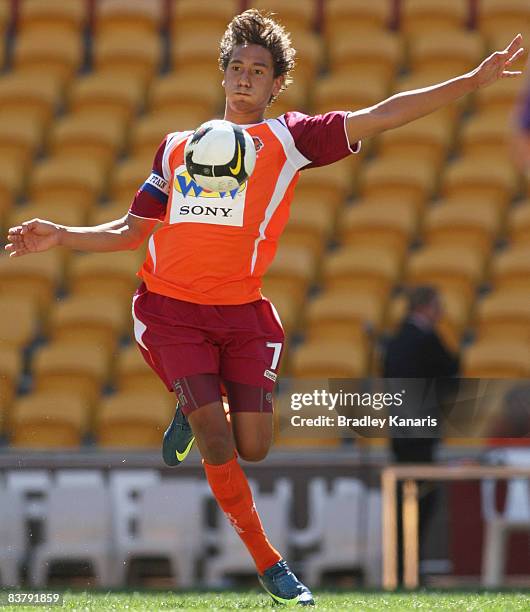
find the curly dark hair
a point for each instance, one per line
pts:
(256, 28)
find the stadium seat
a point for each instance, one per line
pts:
(293, 16)
(497, 358)
(505, 15)
(5, 17)
(385, 223)
(34, 16)
(443, 54)
(110, 211)
(399, 179)
(328, 185)
(110, 275)
(119, 53)
(30, 99)
(448, 267)
(166, 528)
(485, 135)
(364, 268)
(470, 223)
(130, 175)
(133, 373)
(70, 366)
(329, 358)
(117, 16)
(288, 308)
(309, 56)
(478, 179)
(33, 53)
(132, 419)
(499, 98)
(510, 268)
(418, 16)
(52, 211)
(504, 314)
(21, 137)
(78, 528)
(209, 18)
(87, 137)
(186, 93)
(12, 537)
(295, 97)
(74, 182)
(371, 53)
(95, 318)
(115, 95)
(344, 314)
(348, 18)
(10, 370)
(18, 323)
(334, 92)
(292, 270)
(47, 420)
(519, 224)
(310, 225)
(11, 182)
(34, 276)
(196, 51)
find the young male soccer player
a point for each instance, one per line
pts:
(199, 317)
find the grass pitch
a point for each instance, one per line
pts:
(254, 600)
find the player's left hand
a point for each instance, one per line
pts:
(495, 66)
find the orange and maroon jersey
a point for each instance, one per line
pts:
(214, 248)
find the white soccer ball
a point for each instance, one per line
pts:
(220, 155)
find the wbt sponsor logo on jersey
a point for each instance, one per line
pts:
(192, 204)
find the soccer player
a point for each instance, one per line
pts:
(200, 319)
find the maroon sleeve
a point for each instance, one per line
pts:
(320, 138)
(151, 199)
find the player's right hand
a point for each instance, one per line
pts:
(32, 237)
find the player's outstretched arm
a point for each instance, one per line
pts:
(39, 235)
(409, 105)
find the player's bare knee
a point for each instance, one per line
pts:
(217, 448)
(253, 453)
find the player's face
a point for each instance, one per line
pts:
(249, 83)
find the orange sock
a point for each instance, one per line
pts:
(230, 488)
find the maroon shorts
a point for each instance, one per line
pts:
(241, 345)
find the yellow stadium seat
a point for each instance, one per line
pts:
(35, 15)
(197, 51)
(20, 137)
(519, 224)
(510, 269)
(329, 185)
(486, 135)
(113, 16)
(364, 268)
(11, 181)
(459, 268)
(120, 53)
(202, 16)
(292, 270)
(288, 308)
(33, 53)
(71, 366)
(148, 132)
(497, 358)
(110, 275)
(49, 420)
(110, 211)
(387, 223)
(480, 178)
(505, 15)
(334, 92)
(95, 318)
(347, 18)
(87, 137)
(329, 358)
(504, 314)
(185, 92)
(51, 211)
(418, 16)
(130, 175)
(345, 314)
(309, 54)
(34, 276)
(293, 16)
(10, 370)
(116, 95)
(310, 224)
(428, 138)
(18, 322)
(397, 178)
(500, 97)
(71, 181)
(441, 53)
(5, 16)
(134, 420)
(371, 53)
(31, 99)
(294, 98)
(470, 223)
(133, 373)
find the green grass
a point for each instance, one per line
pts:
(337, 601)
